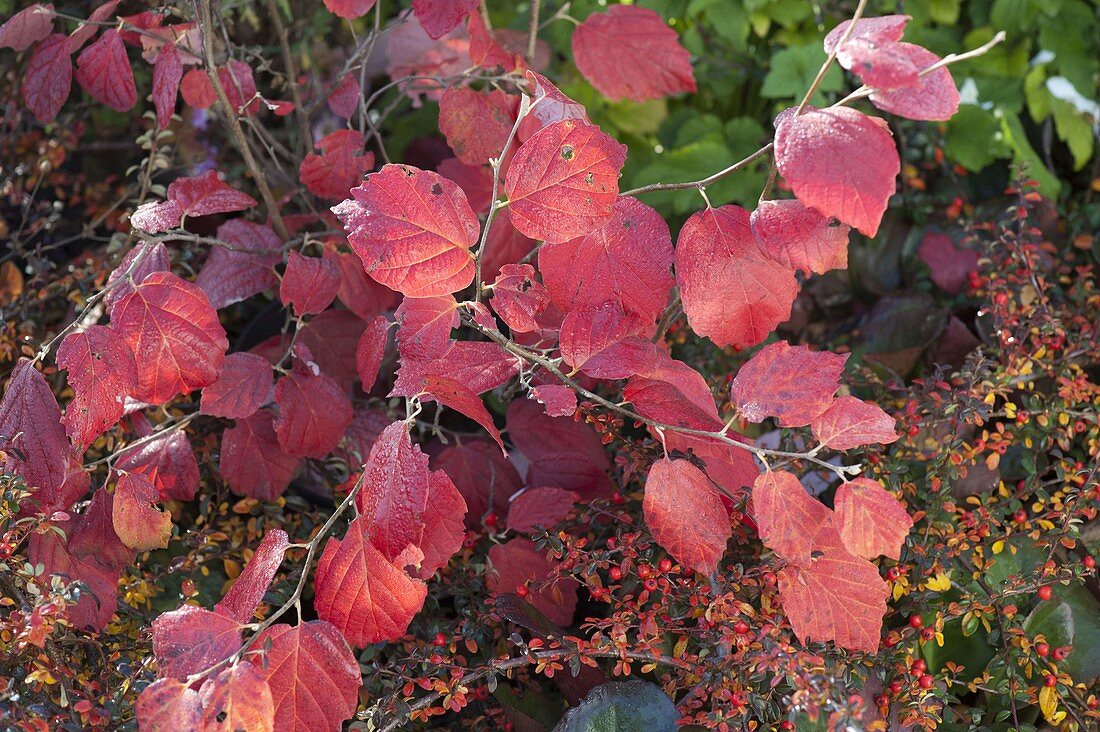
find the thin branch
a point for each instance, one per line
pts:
(533, 29)
(832, 56)
(704, 182)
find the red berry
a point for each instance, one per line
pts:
(1045, 592)
(522, 591)
(928, 634)
(1050, 680)
(1020, 516)
(1089, 561)
(741, 627)
(650, 585)
(491, 520)
(439, 639)
(882, 700)
(1061, 653)
(615, 574)
(919, 666)
(927, 681)
(644, 571)
(915, 621)
(787, 724)
(1042, 649)
(893, 573)
(895, 687)
(665, 565)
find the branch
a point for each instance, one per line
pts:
(703, 183)
(533, 30)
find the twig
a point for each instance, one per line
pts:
(704, 182)
(832, 56)
(533, 29)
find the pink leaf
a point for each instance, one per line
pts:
(48, 77)
(102, 373)
(440, 17)
(27, 27)
(587, 331)
(629, 52)
(341, 165)
(248, 589)
(167, 705)
(236, 698)
(192, 639)
(413, 230)
(950, 265)
(563, 182)
(167, 73)
(309, 284)
(313, 412)
(686, 515)
(934, 97)
(232, 275)
(168, 462)
(787, 516)
(791, 383)
(252, 463)
(627, 260)
(425, 325)
(143, 259)
(871, 521)
(103, 70)
(518, 297)
(206, 194)
(395, 492)
(139, 523)
(732, 292)
(881, 30)
(245, 383)
(476, 124)
(349, 8)
(443, 524)
(560, 401)
(852, 422)
(799, 237)
(460, 398)
(549, 105)
(839, 161)
(371, 350)
(479, 365)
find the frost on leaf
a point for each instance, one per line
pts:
(103, 71)
(629, 52)
(252, 462)
(370, 351)
(395, 492)
(839, 161)
(200, 195)
(732, 292)
(245, 383)
(313, 676)
(685, 514)
(519, 298)
(787, 516)
(459, 397)
(361, 592)
(790, 383)
(413, 229)
(799, 237)
(588, 331)
(309, 284)
(192, 639)
(248, 589)
(870, 520)
(627, 260)
(48, 77)
(835, 597)
(102, 373)
(934, 97)
(167, 705)
(851, 422)
(562, 183)
(139, 262)
(174, 334)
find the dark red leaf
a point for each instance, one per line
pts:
(685, 514)
(248, 589)
(476, 124)
(237, 698)
(245, 383)
(870, 520)
(425, 325)
(475, 181)
(518, 297)
(443, 524)
(395, 492)
(341, 165)
(629, 52)
(48, 77)
(440, 17)
(103, 71)
(168, 705)
(313, 676)
(800, 238)
(484, 477)
(102, 373)
(413, 229)
(27, 27)
(252, 463)
(839, 161)
(371, 350)
(237, 81)
(461, 398)
(85, 31)
(232, 275)
(143, 259)
(349, 8)
(537, 507)
(344, 99)
(313, 412)
(168, 462)
(362, 295)
(851, 422)
(167, 73)
(732, 292)
(563, 182)
(519, 564)
(332, 337)
(950, 265)
(192, 639)
(787, 516)
(561, 453)
(791, 383)
(309, 284)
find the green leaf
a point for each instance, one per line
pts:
(622, 706)
(533, 710)
(639, 118)
(974, 139)
(1071, 618)
(793, 70)
(1023, 153)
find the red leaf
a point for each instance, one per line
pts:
(440, 17)
(86, 30)
(627, 260)
(443, 524)
(344, 99)
(425, 325)
(586, 332)
(871, 521)
(800, 238)
(32, 440)
(313, 675)
(787, 516)
(504, 246)
(139, 523)
(144, 259)
(484, 477)
(206, 194)
(950, 265)
(332, 338)
(732, 468)
(852, 422)
(102, 373)
(549, 105)
(668, 398)
(460, 398)
(371, 350)
(475, 181)
(791, 383)
(395, 492)
(27, 27)
(561, 453)
(192, 639)
(313, 412)
(519, 564)
(563, 182)
(630, 53)
(197, 90)
(518, 297)
(309, 284)
(232, 275)
(837, 596)
(479, 365)
(685, 514)
(167, 73)
(103, 70)
(476, 124)
(168, 705)
(365, 427)
(349, 8)
(839, 161)
(934, 97)
(881, 66)
(248, 589)
(237, 698)
(48, 77)
(411, 52)
(168, 462)
(560, 401)
(174, 334)
(881, 30)
(252, 463)
(245, 383)
(536, 507)
(485, 49)
(732, 292)
(237, 81)
(341, 165)
(413, 229)
(362, 295)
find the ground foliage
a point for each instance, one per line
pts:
(824, 458)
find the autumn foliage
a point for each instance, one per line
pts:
(455, 422)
